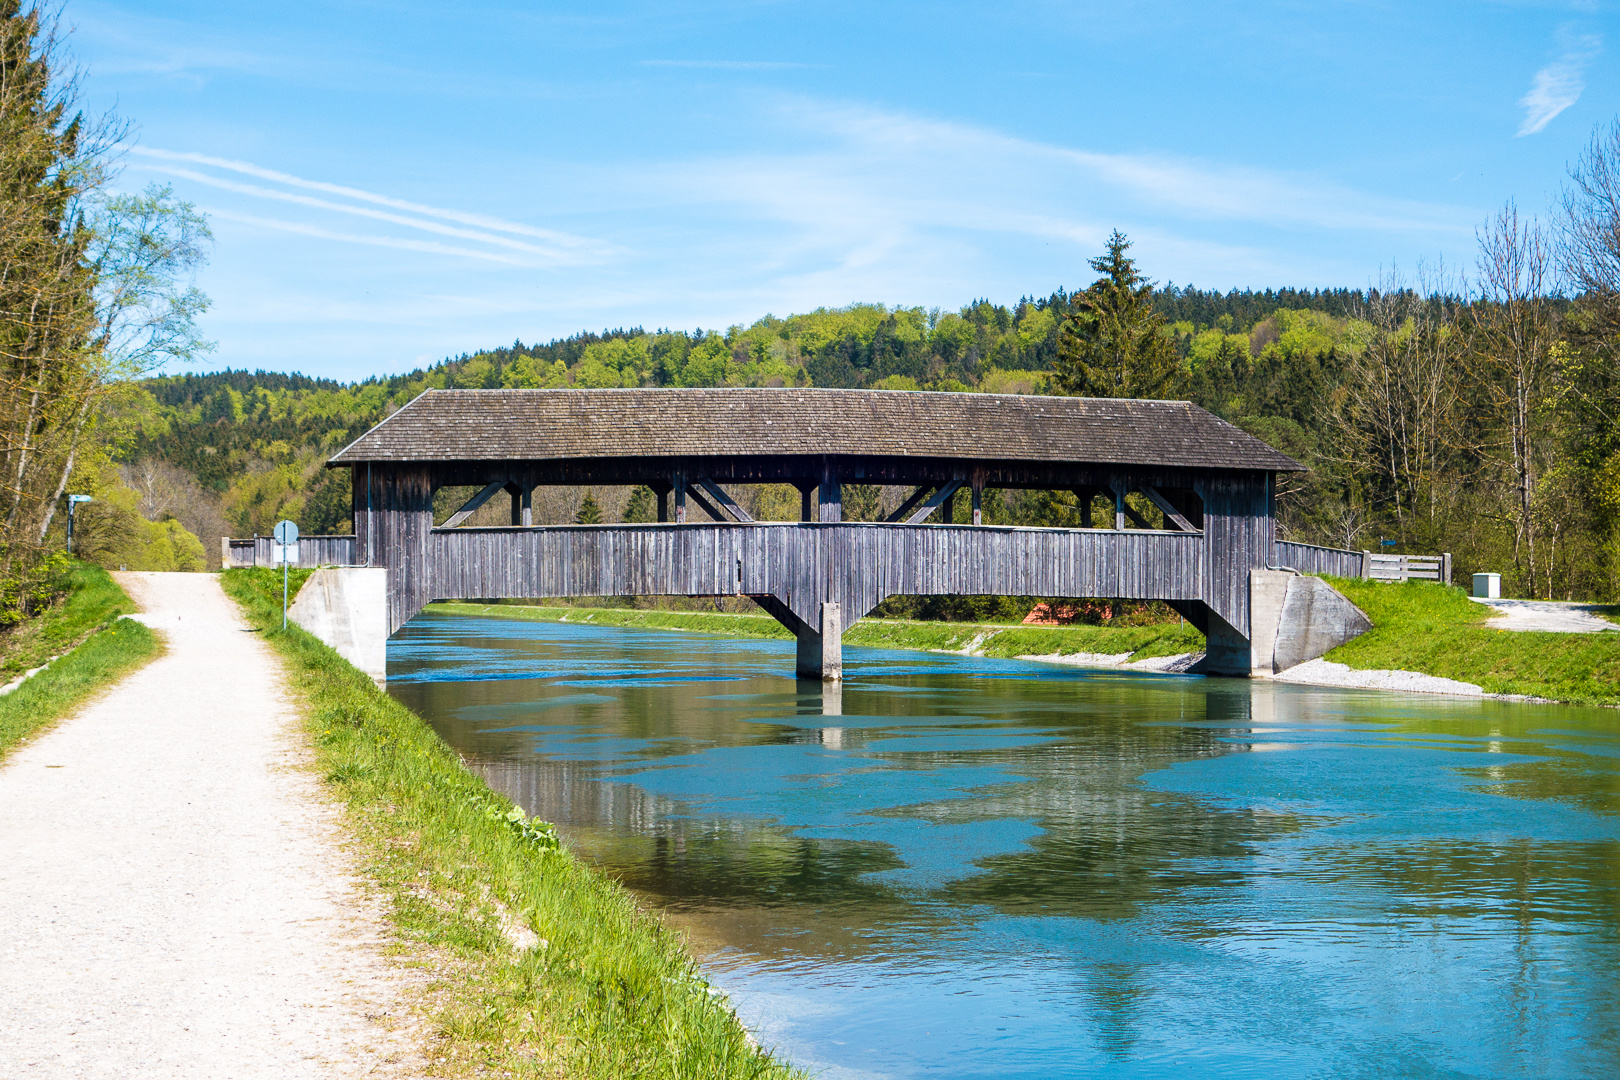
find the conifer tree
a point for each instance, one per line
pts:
(590, 512)
(1113, 343)
(641, 508)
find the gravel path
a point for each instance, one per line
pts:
(174, 899)
(1547, 615)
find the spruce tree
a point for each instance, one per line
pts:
(1113, 343)
(642, 507)
(590, 513)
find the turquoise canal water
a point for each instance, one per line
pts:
(978, 868)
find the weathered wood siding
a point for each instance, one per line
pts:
(318, 550)
(1310, 559)
(1238, 537)
(312, 551)
(802, 565)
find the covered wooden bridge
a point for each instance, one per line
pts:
(1209, 484)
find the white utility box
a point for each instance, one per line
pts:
(1488, 586)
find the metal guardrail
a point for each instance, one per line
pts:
(1342, 562)
(312, 551)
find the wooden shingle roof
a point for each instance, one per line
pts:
(535, 425)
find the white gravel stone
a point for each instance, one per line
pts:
(174, 898)
(1327, 673)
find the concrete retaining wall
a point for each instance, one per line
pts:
(1296, 618)
(347, 607)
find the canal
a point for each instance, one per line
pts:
(965, 868)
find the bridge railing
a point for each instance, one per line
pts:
(316, 550)
(856, 563)
(1342, 562)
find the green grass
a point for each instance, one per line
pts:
(607, 992)
(1435, 629)
(987, 639)
(108, 648)
(87, 598)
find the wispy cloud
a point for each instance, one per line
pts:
(1558, 85)
(728, 65)
(305, 229)
(970, 177)
(557, 249)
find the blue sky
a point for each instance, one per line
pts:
(392, 183)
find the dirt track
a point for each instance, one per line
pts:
(174, 900)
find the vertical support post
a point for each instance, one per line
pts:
(1366, 565)
(517, 505)
(1084, 495)
(680, 498)
(978, 499)
(832, 642)
(830, 494)
(1119, 507)
(663, 505)
(947, 510)
(528, 508)
(1445, 567)
(804, 504)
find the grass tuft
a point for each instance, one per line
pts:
(603, 991)
(100, 648)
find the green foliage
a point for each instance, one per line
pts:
(590, 513)
(1115, 344)
(588, 986)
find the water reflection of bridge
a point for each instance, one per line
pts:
(1189, 497)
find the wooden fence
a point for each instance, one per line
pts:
(1341, 562)
(312, 551)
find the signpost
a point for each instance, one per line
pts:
(286, 534)
(73, 508)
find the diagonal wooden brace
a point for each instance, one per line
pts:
(704, 504)
(470, 507)
(1123, 509)
(910, 504)
(934, 503)
(1170, 512)
(720, 496)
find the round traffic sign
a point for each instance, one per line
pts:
(286, 532)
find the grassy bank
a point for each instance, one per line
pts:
(986, 639)
(1435, 629)
(542, 966)
(100, 648)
